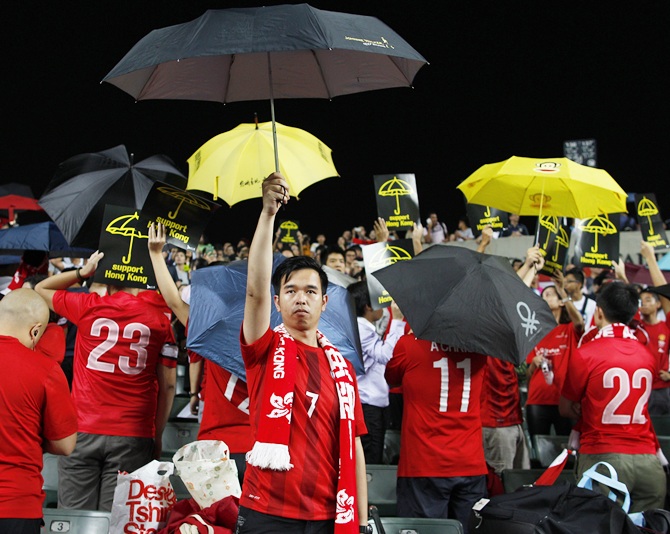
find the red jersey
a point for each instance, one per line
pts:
(35, 405)
(659, 339)
(441, 432)
(612, 378)
(121, 339)
(308, 490)
(501, 399)
(226, 410)
(557, 347)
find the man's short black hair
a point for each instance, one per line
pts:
(286, 268)
(619, 302)
(577, 273)
(331, 250)
(359, 291)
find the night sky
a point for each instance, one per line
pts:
(505, 78)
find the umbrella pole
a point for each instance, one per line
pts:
(272, 113)
(539, 216)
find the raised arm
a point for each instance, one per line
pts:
(657, 277)
(533, 263)
(258, 299)
(166, 284)
(487, 237)
(47, 287)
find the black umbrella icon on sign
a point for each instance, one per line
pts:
(126, 231)
(395, 188)
(562, 240)
(182, 196)
(288, 226)
(598, 225)
(646, 208)
(550, 222)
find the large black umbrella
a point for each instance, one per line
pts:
(260, 53)
(469, 301)
(76, 196)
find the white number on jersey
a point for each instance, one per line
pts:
(443, 365)
(610, 381)
(111, 340)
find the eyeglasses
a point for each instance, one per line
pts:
(570, 281)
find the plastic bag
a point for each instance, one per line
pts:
(207, 471)
(143, 499)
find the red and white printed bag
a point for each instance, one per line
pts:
(143, 499)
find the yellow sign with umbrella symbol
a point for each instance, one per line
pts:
(397, 188)
(552, 225)
(182, 197)
(646, 208)
(562, 239)
(599, 225)
(119, 226)
(377, 257)
(650, 220)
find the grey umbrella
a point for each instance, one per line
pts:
(469, 301)
(260, 53)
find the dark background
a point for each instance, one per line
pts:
(505, 78)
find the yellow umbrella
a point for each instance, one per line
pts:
(233, 164)
(550, 186)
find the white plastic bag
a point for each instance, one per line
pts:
(207, 471)
(143, 499)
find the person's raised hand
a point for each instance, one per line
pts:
(396, 312)
(157, 237)
(381, 231)
(91, 264)
(275, 193)
(647, 251)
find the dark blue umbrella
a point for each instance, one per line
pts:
(217, 309)
(43, 236)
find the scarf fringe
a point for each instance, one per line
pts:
(270, 456)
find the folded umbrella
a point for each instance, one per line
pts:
(218, 295)
(468, 300)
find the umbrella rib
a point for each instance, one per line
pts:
(318, 63)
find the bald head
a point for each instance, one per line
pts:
(23, 315)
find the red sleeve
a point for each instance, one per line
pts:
(60, 417)
(574, 384)
(395, 368)
(52, 343)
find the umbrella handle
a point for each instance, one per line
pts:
(539, 216)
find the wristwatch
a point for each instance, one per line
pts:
(566, 299)
(365, 529)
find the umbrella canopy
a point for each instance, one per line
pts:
(553, 186)
(469, 301)
(16, 197)
(217, 308)
(43, 236)
(260, 53)
(76, 196)
(233, 164)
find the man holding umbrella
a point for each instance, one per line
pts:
(306, 470)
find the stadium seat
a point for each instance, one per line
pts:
(661, 424)
(381, 487)
(420, 525)
(513, 479)
(75, 521)
(50, 476)
(547, 448)
(178, 434)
